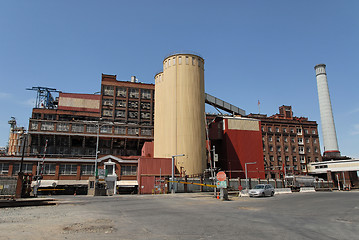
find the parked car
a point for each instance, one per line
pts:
(261, 190)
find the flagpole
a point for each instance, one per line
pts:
(259, 107)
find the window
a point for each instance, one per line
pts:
(187, 60)
(169, 62)
(269, 129)
(270, 138)
(316, 149)
(145, 115)
(26, 168)
(278, 149)
(68, 169)
(121, 103)
(87, 169)
(34, 126)
(121, 92)
(174, 61)
(286, 158)
(77, 127)
(286, 149)
(309, 159)
(132, 114)
(4, 168)
(166, 64)
(47, 126)
(49, 169)
(108, 90)
(302, 159)
(299, 131)
(301, 150)
(284, 130)
(128, 170)
(308, 149)
(179, 60)
(315, 140)
(132, 131)
(285, 139)
(145, 106)
(146, 131)
(278, 139)
(271, 148)
(294, 158)
(262, 129)
(107, 112)
(91, 128)
(62, 127)
(306, 131)
(199, 62)
(313, 132)
(193, 61)
(279, 158)
(316, 159)
(110, 169)
(145, 93)
(120, 113)
(271, 158)
(294, 149)
(49, 117)
(264, 148)
(307, 140)
(295, 167)
(291, 130)
(120, 130)
(277, 129)
(300, 140)
(293, 140)
(106, 129)
(133, 104)
(303, 167)
(107, 102)
(133, 93)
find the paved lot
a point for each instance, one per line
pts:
(326, 215)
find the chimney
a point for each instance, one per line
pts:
(326, 114)
(133, 79)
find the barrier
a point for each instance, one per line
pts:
(307, 189)
(282, 190)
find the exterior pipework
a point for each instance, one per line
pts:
(179, 112)
(326, 113)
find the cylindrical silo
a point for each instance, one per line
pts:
(326, 113)
(179, 113)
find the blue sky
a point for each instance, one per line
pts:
(253, 50)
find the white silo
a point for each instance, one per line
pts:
(326, 114)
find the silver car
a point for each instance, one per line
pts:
(261, 190)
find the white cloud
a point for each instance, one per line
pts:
(354, 111)
(4, 95)
(29, 102)
(355, 130)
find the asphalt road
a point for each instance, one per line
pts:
(321, 215)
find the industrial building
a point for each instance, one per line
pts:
(133, 129)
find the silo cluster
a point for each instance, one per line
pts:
(180, 112)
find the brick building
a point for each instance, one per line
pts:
(288, 141)
(122, 115)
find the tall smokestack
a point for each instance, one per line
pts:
(326, 114)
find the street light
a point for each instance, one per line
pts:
(245, 166)
(97, 141)
(173, 164)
